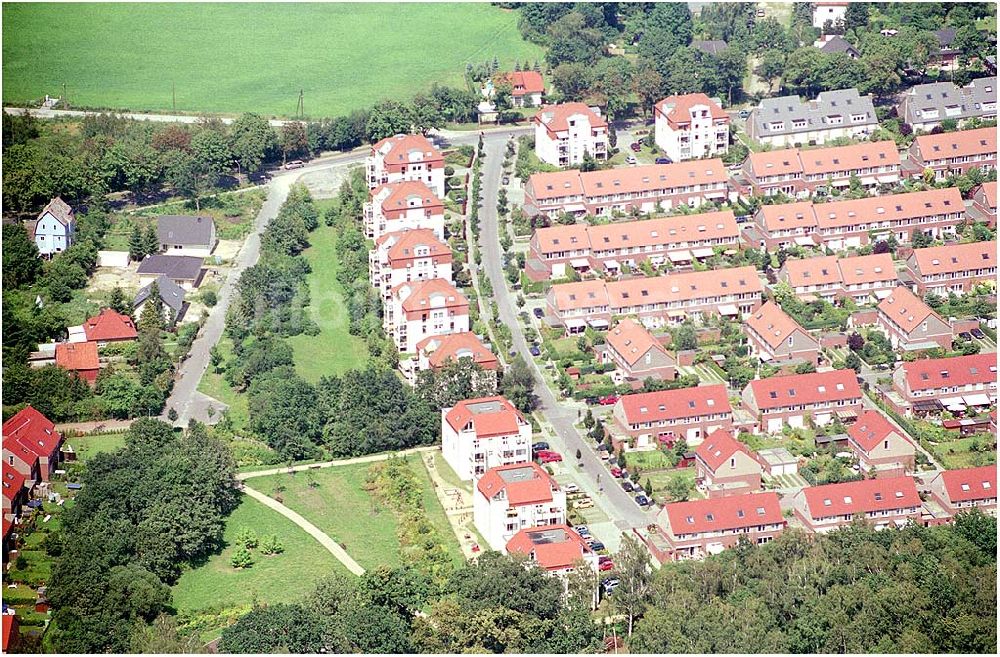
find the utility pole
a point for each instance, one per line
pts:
(173, 94)
(300, 109)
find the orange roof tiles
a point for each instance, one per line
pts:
(970, 484)
(990, 193)
(718, 447)
(931, 373)
(109, 325)
(525, 82)
(963, 143)
(442, 348)
(955, 258)
(893, 207)
(403, 149)
(638, 180)
(489, 417)
(677, 109)
(685, 286)
(905, 309)
(77, 356)
(858, 270)
(425, 295)
(552, 547)
(403, 245)
(773, 324)
(788, 216)
(525, 483)
(776, 163)
(666, 230)
(805, 389)
(819, 270)
(582, 294)
(556, 118)
(409, 194)
(632, 341)
(870, 429)
(724, 513)
(864, 496)
(818, 161)
(675, 404)
(563, 238)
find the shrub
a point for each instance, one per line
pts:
(271, 544)
(209, 298)
(247, 538)
(241, 558)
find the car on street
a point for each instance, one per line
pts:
(630, 159)
(642, 500)
(538, 312)
(535, 351)
(571, 488)
(540, 445)
(591, 401)
(547, 456)
(744, 113)
(512, 352)
(616, 472)
(635, 146)
(603, 448)
(664, 160)
(294, 164)
(506, 180)
(608, 400)
(627, 486)
(978, 334)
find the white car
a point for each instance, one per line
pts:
(571, 488)
(630, 159)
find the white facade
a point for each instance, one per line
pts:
(423, 309)
(500, 514)
(52, 236)
(689, 127)
(471, 446)
(425, 260)
(382, 217)
(406, 158)
(828, 11)
(572, 132)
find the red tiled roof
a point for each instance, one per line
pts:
(634, 180)
(954, 258)
(873, 268)
(724, 513)
(819, 270)
(408, 194)
(401, 149)
(435, 293)
(677, 109)
(930, 373)
(675, 404)
(555, 118)
(957, 144)
(33, 431)
(631, 340)
(109, 325)
(905, 309)
(773, 324)
(490, 416)
(864, 496)
(525, 82)
(13, 482)
(77, 356)
(562, 238)
(666, 230)
(970, 483)
(555, 546)
(801, 389)
(990, 193)
(870, 429)
(685, 286)
(525, 483)
(442, 348)
(787, 216)
(582, 294)
(718, 447)
(893, 207)
(817, 161)
(403, 245)
(775, 163)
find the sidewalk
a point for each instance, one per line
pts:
(457, 505)
(371, 458)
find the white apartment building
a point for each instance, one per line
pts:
(410, 255)
(395, 207)
(405, 158)
(510, 498)
(484, 433)
(690, 126)
(421, 309)
(565, 133)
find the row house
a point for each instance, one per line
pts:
(566, 133)
(734, 292)
(401, 206)
(910, 324)
(699, 528)
(790, 400)
(422, 309)
(16, 491)
(796, 172)
(790, 121)
(954, 153)
(403, 257)
(953, 268)
(925, 106)
(959, 382)
(957, 491)
(510, 498)
(642, 189)
(773, 336)
(636, 354)
(888, 502)
(861, 278)
(984, 200)
(55, 228)
(725, 466)
(608, 247)
(690, 126)
(882, 448)
(665, 416)
(438, 351)
(405, 158)
(784, 225)
(557, 550)
(484, 433)
(31, 444)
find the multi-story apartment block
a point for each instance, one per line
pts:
(953, 268)
(406, 158)
(607, 247)
(410, 255)
(773, 336)
(690, 126)
(436, 352)
(556, 549)
(926, 105)
(890, 502)
(646, 189)
(636, 354)
(665, 416)
(733, 292)
(510, 498)
(954, 153)
(796, 172)
(792, 400)
(422, 309)
(699, 528)
(725, 466)
(969, 488)
(397, 207)
(881, 447)
(911, 324)
(566, 133)
(960, 382)
(484, 433)
(789, 121)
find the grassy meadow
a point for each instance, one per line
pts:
(232, 57)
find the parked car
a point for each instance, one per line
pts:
(978, 334)
(582, 530)
(635, 146)
(603, 448)
(664, 160)
(743, 218)
(294, 164)
(535, 351)
(584, 503)
(744, 113)
(608, 400)
(627, 486)
(547, 456)
(595, 545)
(630, 159)
(506, 180)
(538, 312)
(606, 565)
(539, 446)
(591, 401)
(571, 488)
(610, 584)
(616, 472)
(965, 335)
(642, 500)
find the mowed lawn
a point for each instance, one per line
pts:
(215, 385)
(334, 350)
(231, 57)
(282, 578)
(87, 446)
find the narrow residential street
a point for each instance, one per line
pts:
(613, 500)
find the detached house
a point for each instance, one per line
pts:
(406, 158)
(884, 503)
(510, 498)
(565, 133)
(556, 549)
(881, 447)
(699, 528)
(969, 488)
(636, 354)
(954, 153)
(422, 309)
(726, 466)
(184, 235)
(410, 255)
(172, 296)
(402, 206)
(910, 324)
(690, 126)
(791, 400)
(184, 271)
(649, 418)
(55, 228)
(527, 87)
(79, 357)
(107, 326)
(479, 434)
(953, 268)
(30, 439)
(929, 385)
(777, 338)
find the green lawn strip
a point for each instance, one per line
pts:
(449, 475)
(215, 385)
(86, 446)
(436, 512)
(660, 481)
(646, 460)
(208, 57)
(341, 507)
(285, 577)
(334, 350)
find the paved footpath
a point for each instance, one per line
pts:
(457, 504)
(371, 458)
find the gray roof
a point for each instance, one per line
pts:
(58, 209)
(171, 293)
(940, 96)
(945, 37)
(815, 113)
(175, 267)
(839, 44)
(712, 47)
(184, 229)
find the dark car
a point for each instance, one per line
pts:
(535, 351)
(743, 218)
(626, 486)
(642, 500)
(603, 448)
(664, 160)
(535, 447)
(744, 113)
(965, 335)
(591, 401)
(596, 546)
(976, 333)
(506, 180)
(635, 146)
(538, 312)
(524, 315)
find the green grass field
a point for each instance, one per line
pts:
(282, 578)
(230, 57)
(334, 350)
(215, 385)
(87, 446)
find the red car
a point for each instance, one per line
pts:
(546, 456)
(606, 565)
(635, 146)
(609, 400)
(616, 472)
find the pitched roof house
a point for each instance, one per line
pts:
(34, 434)
(774, 336)
(910, 323)
(891, 502)
(961, 490)
(636, 353)
(79, 357)
(959, 382)
(186, 235)
(789, 121)
(510, 498)
(953, 267)
(881, 447)
(954, 153)
(171, 294)
(669, 415)
(109, 326)
(566, 133)
(556, 549)
(698, 528)
(726, 466)
(54, 228)
(185, 271)
(484, 433)
(790, 400)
